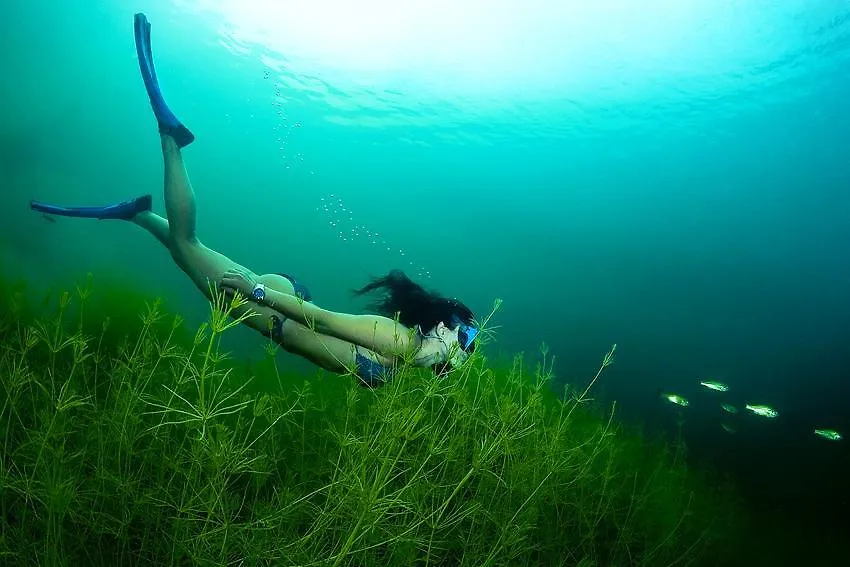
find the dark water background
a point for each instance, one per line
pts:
(671, 177)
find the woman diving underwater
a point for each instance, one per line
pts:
(413, 325)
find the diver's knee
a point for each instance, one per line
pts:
(180, 248)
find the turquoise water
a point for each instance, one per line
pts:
(671, 178)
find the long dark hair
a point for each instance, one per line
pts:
(413, 304)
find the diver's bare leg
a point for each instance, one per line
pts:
(179, 228)
(179, 196)
(154, 224)
(203, 265)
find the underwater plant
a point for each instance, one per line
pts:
(157, 447)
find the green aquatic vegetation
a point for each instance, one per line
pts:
(142, 442)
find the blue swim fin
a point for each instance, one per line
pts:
(125, 210)
(168, 123)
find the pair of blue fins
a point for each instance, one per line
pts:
(168, 124)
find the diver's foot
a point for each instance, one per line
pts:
(124, 210)
(168, 123)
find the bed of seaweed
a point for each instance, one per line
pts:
(130, 439)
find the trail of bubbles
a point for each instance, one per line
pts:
(284, 128)
(342, 220)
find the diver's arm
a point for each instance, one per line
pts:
(380, 334)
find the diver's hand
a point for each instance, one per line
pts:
(238, 281)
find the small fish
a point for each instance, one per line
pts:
(764, 411)
(675, 399)
(729, 408)
(47, 217)
(830, 434)
(728, 428)
(716, 386)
